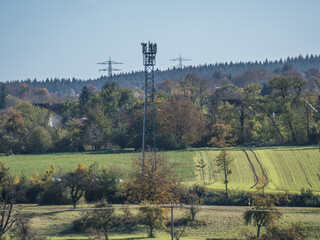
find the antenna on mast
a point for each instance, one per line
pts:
(149, 51)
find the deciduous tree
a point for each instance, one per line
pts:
(77, 182)
(155, 184)
(263, 213)
(8, 196)
(223, 138)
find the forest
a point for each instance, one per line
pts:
(232, 71)
(256, 106)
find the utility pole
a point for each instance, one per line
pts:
(180, 59)
(109, 69)
(149, 51)
(172, 224)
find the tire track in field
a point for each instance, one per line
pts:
(262, 168)
(252, 168)
(305, 174)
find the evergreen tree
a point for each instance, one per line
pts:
(3, 96)
(84, 96)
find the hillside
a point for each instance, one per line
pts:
(285, 167)
(230, 69)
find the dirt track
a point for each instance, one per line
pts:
(262, 169)
(253, 169)
(305, 175)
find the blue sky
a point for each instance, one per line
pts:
(66, 38)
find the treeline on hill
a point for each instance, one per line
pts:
(281, 110)
(233, 71)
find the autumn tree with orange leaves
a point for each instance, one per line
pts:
(180, 122)
(154, 185)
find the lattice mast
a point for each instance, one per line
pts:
(149, 51)
(109, 69)
(180, 60)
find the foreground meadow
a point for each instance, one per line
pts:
(215, 222)
(285, 167)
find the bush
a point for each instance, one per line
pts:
(54, 195)
(293, 232)
(23, 231)
(105, 184)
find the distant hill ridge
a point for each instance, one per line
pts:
(69, 86)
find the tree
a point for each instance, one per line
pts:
(33, 116)
(39, 140)
(201, 166)
(261, 183)
(104, 184)
(104, 218)
(263, 213)
(3, 96)
(286, 91)
(84, 96)
(41, 183)
(40, 95)
(156, 184)
(13, 132)
(180, 120)
(110, 98)
(223, 138)
(223, 162)
(152, 216)
(195, 89)
(77, 182)
(8, 195)
(97, 126)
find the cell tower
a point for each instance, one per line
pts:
(109, 69)
(149, 51)
(180, 59)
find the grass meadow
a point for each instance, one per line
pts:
(285, 167)
(217, 222)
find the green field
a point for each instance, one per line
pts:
(217, 222)
(285, 167)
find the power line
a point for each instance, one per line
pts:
(180, 60)
(109, 69)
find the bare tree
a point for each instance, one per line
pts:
(8, 195)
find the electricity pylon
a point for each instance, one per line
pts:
(109, 69)
(180, 59)
(149, 125)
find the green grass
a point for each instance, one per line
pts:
(286, 167)
(218, 222)
(291, 168)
